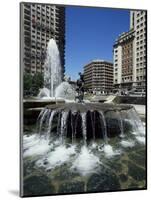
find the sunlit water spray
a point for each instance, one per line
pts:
(53, 85)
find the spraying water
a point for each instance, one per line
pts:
(52, 70)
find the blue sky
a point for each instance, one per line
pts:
(90, 34)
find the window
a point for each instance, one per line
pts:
(142, 12)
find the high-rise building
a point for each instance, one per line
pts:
(98, 76)
(138, 22)
(123, 61)
(39, 23)
(129, 55)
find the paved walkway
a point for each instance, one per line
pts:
(140, 109)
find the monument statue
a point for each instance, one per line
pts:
(80, 88)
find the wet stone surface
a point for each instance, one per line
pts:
(123, 177)
(28, 168)
(72, 187)
(37, 185)
(136, 172)
(138, 159)
(62, 174)
(103, 182)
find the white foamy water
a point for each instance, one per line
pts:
(134, 133)
(29, 141)
(65, 91)
(86, 162)
(127, 143)
(142, 131)
(109, 152)
(57, 157)
(141, 139)
(94, 145)
(29, 138)
(34, 145)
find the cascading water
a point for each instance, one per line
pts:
(104, 126)
(84, 129)
(101, 122)
(121, 123)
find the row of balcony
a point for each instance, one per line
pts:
(42, 27)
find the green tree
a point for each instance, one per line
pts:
(32, 84)
(37, 83)
(27, 84)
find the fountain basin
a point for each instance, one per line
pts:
(41, 103)
(87, 120)
(84, 107)
(32, 108)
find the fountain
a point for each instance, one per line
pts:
(52, 67)
(79, 139)
(82, 141)
(79, 120)
(88, 121)
(53, 85)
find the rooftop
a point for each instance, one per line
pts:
(98, 60)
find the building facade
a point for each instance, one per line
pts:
(39, 23)
(98, 76)
(138, 22)
(129, 55)
(123, 61)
